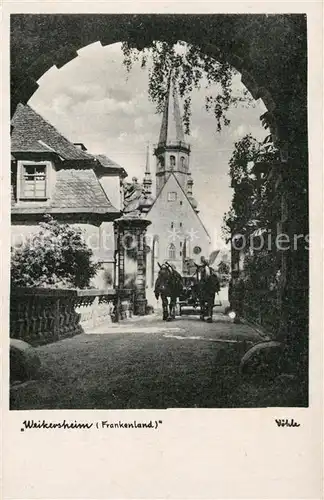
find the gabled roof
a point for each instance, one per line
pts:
(32, 133)
(75, 191)
(186, 197)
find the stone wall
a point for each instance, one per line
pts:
(40, 315)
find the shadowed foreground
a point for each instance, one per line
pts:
(153, 364)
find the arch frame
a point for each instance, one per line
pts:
(269, 51)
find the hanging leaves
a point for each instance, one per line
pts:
(190, 69)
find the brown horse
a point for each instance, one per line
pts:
(168, 285)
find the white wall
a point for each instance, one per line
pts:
(111, 186)
(21, 232)
(161, 215)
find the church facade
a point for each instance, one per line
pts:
(176, 233)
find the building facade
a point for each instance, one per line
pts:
(51, 175)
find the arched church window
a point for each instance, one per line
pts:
(185, 250)
(172, 252)
(172, 161)
(182, 161)
(156, 247)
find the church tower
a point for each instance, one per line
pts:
(172, 152)
(177, 234)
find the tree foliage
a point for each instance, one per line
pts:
(250, 203)
(190, 68)
(261, 269)
(56, 257)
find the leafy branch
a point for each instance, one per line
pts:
(251, 202)
(189, 69)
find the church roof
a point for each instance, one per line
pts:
(171, 127)
(186, 197)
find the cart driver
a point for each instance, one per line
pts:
(203, 269)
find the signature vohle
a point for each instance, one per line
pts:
(286, 422)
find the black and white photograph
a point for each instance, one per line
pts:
(159, 253)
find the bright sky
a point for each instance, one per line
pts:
(90, 100)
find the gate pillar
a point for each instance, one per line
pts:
(135, 228)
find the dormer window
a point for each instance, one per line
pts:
(33, 180)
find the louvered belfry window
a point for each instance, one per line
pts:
(34, 180)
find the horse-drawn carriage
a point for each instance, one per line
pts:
(189, 302)
(192, 294)
(189, 297)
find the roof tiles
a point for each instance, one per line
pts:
(78, 189)
(28, 128)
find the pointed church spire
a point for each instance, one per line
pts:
(147, 182)
(172, 152)
(171, 127)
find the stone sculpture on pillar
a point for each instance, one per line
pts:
(133, 196)
(132, 225)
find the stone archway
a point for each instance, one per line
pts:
(270, 52)
(33, 52)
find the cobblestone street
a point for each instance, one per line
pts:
(148, 363)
